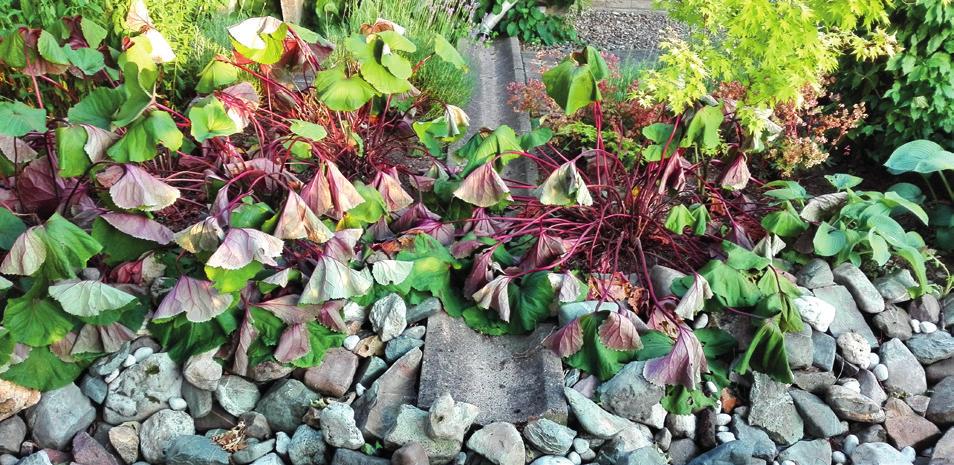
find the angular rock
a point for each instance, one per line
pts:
(625, 443)
(894, 323)
(940, 370)
(202, 371)
(218, 418)
(852, 406)
(269, 370)
(410, 426)
(269, 459)
(592, 418)
(732, 452)
(645, 456)
(925, 308)
(894, 286)
(816, 312)
(14, 398)
(389, 317)
(198, 401)
(448, 419)
(509, 378)
(878, 453)
(820, 420)
(350, 457)
(905, 374)
(160, 429)
(871, 387)
(143, 389)
(60, 414)
(399, 346)
(774, 410)
(944, 450)
(761, 445)
(94, 387)
(823, 350)
(370, 370)
(816, 273)
(814, 381)
(285, 404)
(195, 450)
(799, 348)
(338, 427)
(334, 375)
(88, 451)
(376, 410)
(906, 428)
(39, 458)
(427, 308)
(125, 440)
(808, 452)
(847, 317)
(867, 297)
(854, 348)
(306, 444)
(12, 433)
(662, 278)
(500, 443)
(236, 395)
(931, 348)
(630, 395)
(254, 450)
(549, 437)
(411, 453)
(941, 408)
(107, 364)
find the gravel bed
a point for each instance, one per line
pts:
(620, 30)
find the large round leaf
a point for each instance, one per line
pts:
(920, 156)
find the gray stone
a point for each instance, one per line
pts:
(774, 410)
(867, 297)
(236, 395)
(592, 418)
(427, 308)
(125, 440)
(509, 378)
(730, 453)
(944, 449)
(254, 450)
(397, 347)
(195, 450)
(925, 308)
(202, 371)
(762, 446)
(871, 387)
(338, 427)
(12, 432)
(894, 323)
(816, 273)
(738, 326)
(553, 460)
(285, 404)
(823, 350)
(630, 395)
(59, 415)
(500, 443)
(143, 389)
(681, 451)
(370, 370)
(814, 311)
(799, 348)
(814, 381)
(940, 370)
(870, 433)
(350, 457)
(94, 387)
(549, 437)
(389, 316)
(89, 451)
(334, 375)
(411, 453)
(307, 447)
(269, 459)
(626, 442)
(852, 406)
(682, 426)
(662, 278)
(646, 456)
(879, 453)
(817, 452)
(198, 401)
(820, 420)
(450, 420)
(894, 286)
(410, 426)
(415, 332)
(269, 370)
(110, 363)
(847, 316)
(931, 348)
(160, 429)
(376, 410)
(854, 348)
(38, 458)
(941, 408)
(573, 310)
(905, 374)
(947, 311)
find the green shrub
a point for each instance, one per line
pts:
(532, 24)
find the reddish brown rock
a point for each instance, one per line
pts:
(334, 375)
(906, 428)
(14, 398)
(88, 451)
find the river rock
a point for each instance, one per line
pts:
(411, 453)
(761, 445)
(847, 317)
(125, 440)
(399, 346)
(254, 450)
(350, 457)
(941, 408)
(376, 410)
(389, 317)
(202, 371)
(59, 415)
(306, 445)
(732, 452)
(12, 433)
(867, 297)
(143, 389)
(88, 451)
(879, 453)
(500, 443)
(814, 311)
(198, 401)
(854, 348)
(931, 348)
(925, 308)
(195, 450)
(411, 425)
(894, 323)
(338, 427)
(816, 273)
(905, 374)
(549, 436)
(774, 410)
(823, 350)
(428, 307)
(817, 452)
(820, 420)
(592, 418)
(159, 429)
(851, 405)
(630, 395)
(111, 362)
(623, 444)
(285, 404)
(334, 375)
(894, 286)
(236, 395)
(870, 386)
(906, 428)
(944, 450)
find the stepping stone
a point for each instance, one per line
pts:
(510, 378)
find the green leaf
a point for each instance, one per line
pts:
(679, 219)
(88, 298)
(843, 181)
(20, 119)
(701, 215)
(530, 302)
(268, 48)
(731, 287)
(920, 156)
(485, 322)
(655, 344)
(210, 119)
(766, 354)
(227, 281)
(12, 49)
(250, 215)
(448, 52)
(42, 370)
(786, 190)
(342, 93)
(785, 222)
(321, 339)
(50, 49)
(743, 259)
(36, 321)
(92, 32)
(97, 108)
(68, 248)
(89, 61)
(308, 130)
(829, 241)
(573, 82)
(11, 226)
(893, 199)
(182, 338)
(142, 139)
(72, 158)
(594, 357)
(681, 400)
(122, 247)
(879, 248)
(715, 342)
(367, 212)
(704, 128)
(215, 75)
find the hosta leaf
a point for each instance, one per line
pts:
(494, 295)
(684, 364)
(36, 321)
(619, 333)
(297, 221)
(197, 299)
(202, 236)
(843, 181)
(567, 340)
(42, 370)
(210, 119)
(20, 119)
(829, 241)
(893, 199)
(391, 271)
(27, 254)
(333, 280)
(139, 227)
(242, 245)
(483, 187)
(448, 52)
(920, 156)
(133, 188)
(565, 186)
(695, 298)
(88, 298)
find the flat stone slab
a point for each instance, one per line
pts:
(510, 378)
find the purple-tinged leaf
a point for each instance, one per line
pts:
(483, 187)
(737, 175)
(388, 184)
(297, 221)
(88, 298)
(16, 150)
(39, 188)
(97, 141)
(443, 232)
(380, 231)
(567, 285)
(286, 309)
(413, 217)
(567, 340)
(271, 170)
(465, 248)
(293, 344)
(241, 102)
(242, 245)
(27, 254)
(281, 278)
(545, 252)
(482, 225)
(333, 280)
(133, 188)
(739, 236)
(494, 295)
(95, 339)
(139, 227)
(203, 236)
(330, 316)
(695, 298)
(684, 364)
(63, 347)
(246, 336)
(387, 272)
(480, 272)
(199, 300)
(618, 333)
(341, 246)
(344, 196)
(317, 194)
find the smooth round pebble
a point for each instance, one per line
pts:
(351, 342)
(927, 327)
(574, 457)
(909, 453)
(552, 460)
(881, 372)
(112, 376)
(723, 428)
(143, 352)
(130, 361)
(725, 436)
(701, 321)
(873, 360)
(177, 403)
(723, 419)
(581, 445)
(711, 387)
(852, 384)
(838, 457)
(927, 452)
(788, 462)
(415, 332)
(848, 445)
(915, 325)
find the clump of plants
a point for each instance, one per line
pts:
(528, 21)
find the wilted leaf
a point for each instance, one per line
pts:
(139, 227)
(197, 299)
(695, 298)
(391, 271)
(342, 244)
(737, 175)
(131, 188)
(16, 150)
(293, 343)
(333, 280)
(297, 221)
(202, 236)
(483, 187)
(821, 207)
(565, 186)
(27, 254)
(545, 251)
(343, 195)
(389, 186)
(88, 298)
(684, 365)
(619, 333)
(242, 245)
(494, 295)
(567, 340)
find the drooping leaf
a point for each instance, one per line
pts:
(731, 287)
(11, 226)
(388, 184)
(232, 280)
(68, 248)
(341, 93)
(16, 150)
(545, 252)
(619, 333)
(448, 52)
(920, 156)
(679, 219)
(785, 222)
(567, 340)
(574, 82)
(88, 298)
(197, 299)
(483, 187)
(343, 194)
(96, 108)
(594, 357)
(42, 370)
(683, 366)
(50, 49)
(87, 60)
(202, 236)
(27, 253)
(333, 280)
(307, 130)
(297, 221)
(133, 188)
(139, 227)
(210, 119)
(695, 298)
(320, 339)
(494, 296)
(142, 138)
(530, 300)
(565, 186)
(242, 245)
(843, 181)
(823, 206)
(36, 321)
(215, 75)
(766, 354)
(703, 129)
(736, 176)
(391, 271)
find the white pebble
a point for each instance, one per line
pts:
(142, 352)
(927, 327)
(915, 325)
(574, 458)
(873, 360)
(130, 361)
(788, 462)
(281, 442)
(725, 437)
(838, 457)
(722, 428)
(852, 384)
(359, 389)
(927, 452)
(881, 372)
(848, 445)
(711, 387)
(351, 342)
(909, 453)
(177, 403)
(112, 376)
(701, 321)
(723, 419)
